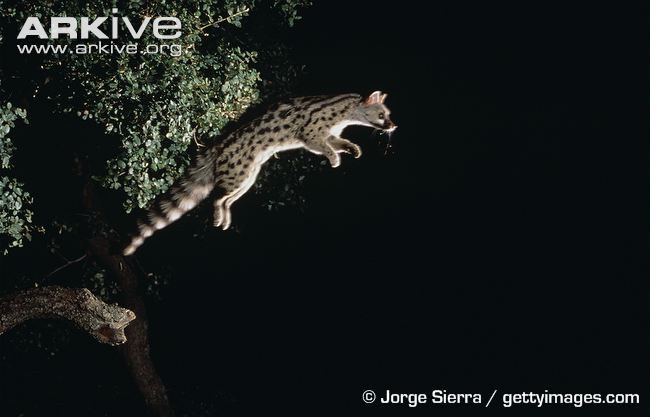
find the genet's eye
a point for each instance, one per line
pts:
(381, 115)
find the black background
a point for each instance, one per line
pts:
(499, 244)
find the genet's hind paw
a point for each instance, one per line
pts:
(226, 217)
(218, 214)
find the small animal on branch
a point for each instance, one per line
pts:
(228, 169)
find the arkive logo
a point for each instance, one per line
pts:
(163, 27)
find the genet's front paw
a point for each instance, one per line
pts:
(355, 150)
(334, 158)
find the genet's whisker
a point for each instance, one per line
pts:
(388, 142)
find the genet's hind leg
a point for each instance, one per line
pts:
(227, 214)
(220, 197)
(219, 211)
(222, 216)
(227, 218)
(246, 185)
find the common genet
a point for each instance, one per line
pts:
(229, 168)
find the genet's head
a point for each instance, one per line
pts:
(372, 112)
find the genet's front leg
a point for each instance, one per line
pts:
(321, 147)
(344, 145)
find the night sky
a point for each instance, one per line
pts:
(497, 244)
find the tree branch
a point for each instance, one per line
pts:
(136, 351)
(223, 19)
(105, 322)
(67, 264)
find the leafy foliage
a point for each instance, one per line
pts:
(15, 214)
(157, 105)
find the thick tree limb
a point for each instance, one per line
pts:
(136, 351)
(105, 322)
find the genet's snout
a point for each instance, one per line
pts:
(389, 125)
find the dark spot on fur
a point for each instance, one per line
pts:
(276, 129)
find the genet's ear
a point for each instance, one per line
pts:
(374, 98)
(382, 98)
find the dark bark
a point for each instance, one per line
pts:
(105, 322)
(136, 351)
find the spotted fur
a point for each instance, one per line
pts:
(228, 169)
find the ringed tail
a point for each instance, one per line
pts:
(187, 193)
